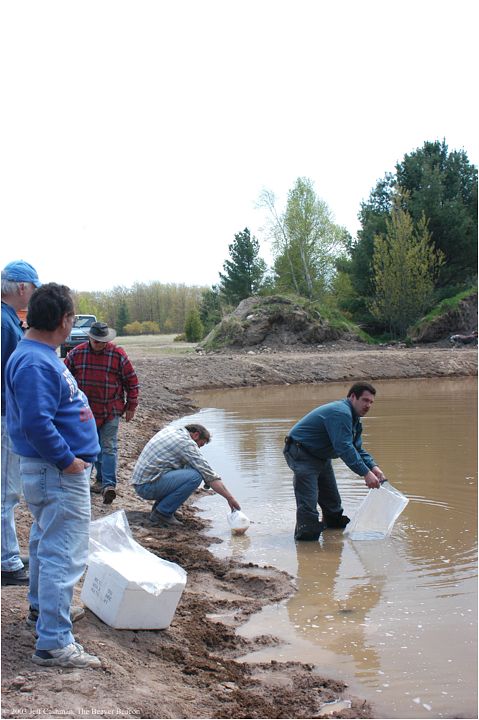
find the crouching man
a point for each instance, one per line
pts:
(171, 467)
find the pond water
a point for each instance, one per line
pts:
(394, 618)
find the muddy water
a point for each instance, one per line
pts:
(395, 619)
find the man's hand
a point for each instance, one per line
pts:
(129, 415)
(371, 480)
(77, 466)
(379, 473)
(234, 504)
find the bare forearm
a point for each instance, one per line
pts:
(220, 488)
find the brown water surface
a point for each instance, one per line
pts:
(396, 618)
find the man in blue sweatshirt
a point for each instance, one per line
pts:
(53, 430)
(330, 431)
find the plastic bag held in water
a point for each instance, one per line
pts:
(377, 514)
(238, 522)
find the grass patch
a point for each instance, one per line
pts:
(445, 306)
(224, 334)
(154, 345)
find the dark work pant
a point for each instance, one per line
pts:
(314, 484)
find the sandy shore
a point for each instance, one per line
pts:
(189, 670)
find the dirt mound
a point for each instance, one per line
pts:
(461, 319)
(274, 321)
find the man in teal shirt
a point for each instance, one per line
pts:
(329, 431)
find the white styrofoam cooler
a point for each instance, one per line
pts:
(124, 604)
(127, 586)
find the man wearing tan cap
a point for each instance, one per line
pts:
(105, 374)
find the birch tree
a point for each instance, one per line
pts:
(305, 240)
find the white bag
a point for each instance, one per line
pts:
(377, 514)
(238, 522)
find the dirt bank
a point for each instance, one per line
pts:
(190, 670)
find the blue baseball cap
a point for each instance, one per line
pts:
(20, 271)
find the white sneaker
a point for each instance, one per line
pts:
(72, 655)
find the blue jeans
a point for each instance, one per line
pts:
(314, 484)
(60, 505)
(171, 489)
(106, 461)
(11, 491)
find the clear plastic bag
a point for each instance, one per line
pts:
(377, 514)
(111, 543)
(238, 522)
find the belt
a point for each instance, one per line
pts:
(291, 441)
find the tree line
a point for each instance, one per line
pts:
(144, 308)
(416, 245)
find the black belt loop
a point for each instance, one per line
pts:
(291, 441)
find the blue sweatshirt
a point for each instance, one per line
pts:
(331, 431)
(48, 416)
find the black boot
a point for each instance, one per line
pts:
(15, 577)
(337, 520)
(302, 532)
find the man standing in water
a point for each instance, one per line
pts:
(329, 431)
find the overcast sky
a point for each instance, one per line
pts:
(136, 136)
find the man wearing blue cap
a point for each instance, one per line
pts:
(19, 280)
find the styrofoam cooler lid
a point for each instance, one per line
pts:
(152, 571)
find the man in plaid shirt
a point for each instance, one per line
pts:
(106, 376)
(171, 467)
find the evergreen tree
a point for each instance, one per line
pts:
(244, 271)
(210, 308)
(373, 217)
(440, 185)
(194, 330)
(122, 318)
(443, 187)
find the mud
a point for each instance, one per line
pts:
(191, 670)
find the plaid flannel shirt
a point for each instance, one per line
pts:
(107, 378)
(171, 449)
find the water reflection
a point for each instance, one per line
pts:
(334, 600)
(399, 616)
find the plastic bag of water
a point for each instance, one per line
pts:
(238, 522)
(377, 514)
